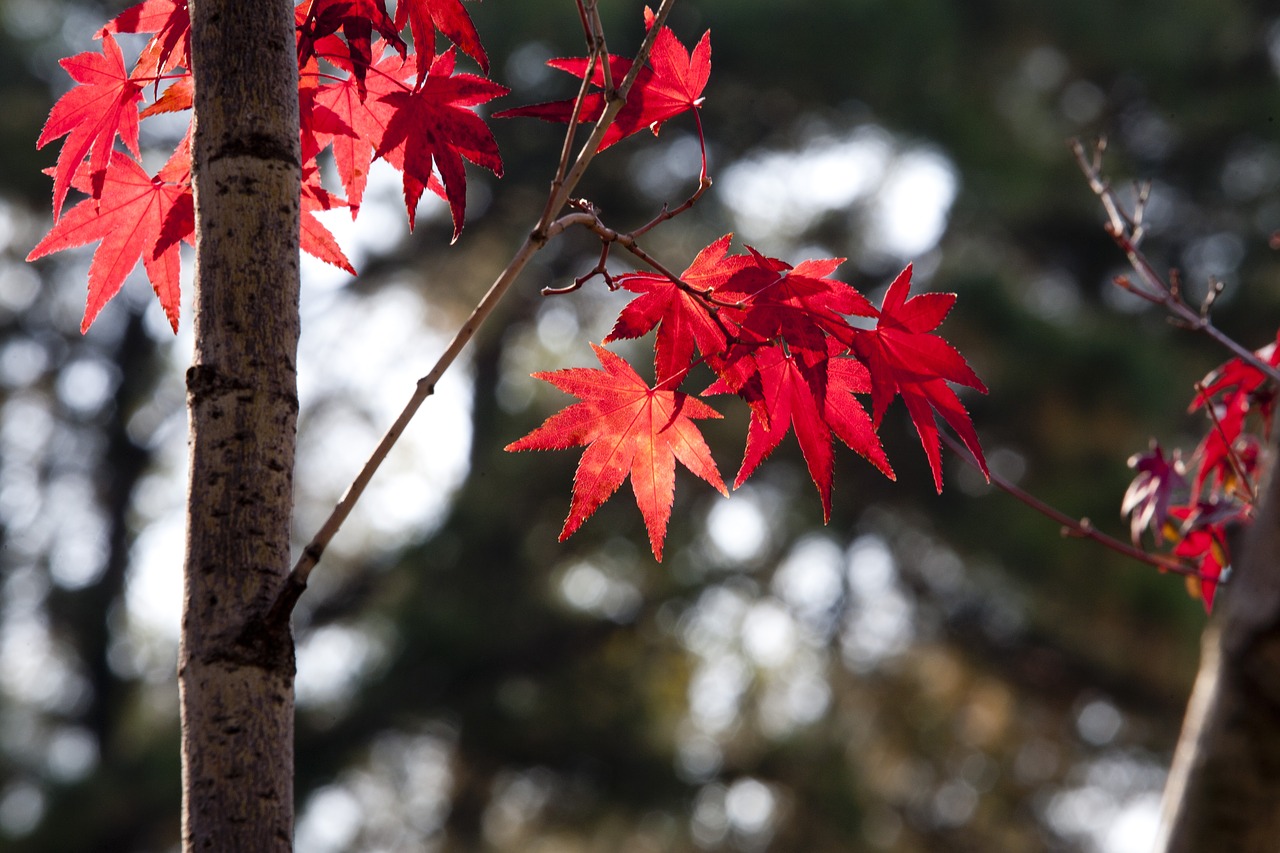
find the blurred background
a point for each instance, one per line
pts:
(924, 673)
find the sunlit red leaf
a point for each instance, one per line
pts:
(814, 400)
(315, 239)
(905, 360)
(436, 125)
(669, 85)
(137, 218)
(629, 430)
(91, 115)
(1206, 543)
(683, 319)
(450, 18)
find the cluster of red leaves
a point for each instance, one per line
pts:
(365, 96)
(777, 336)
(1195, 517)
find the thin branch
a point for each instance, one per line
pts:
(1127, 231)
(614, 102)
(1078, 527)
(595, 48)
(296, 582)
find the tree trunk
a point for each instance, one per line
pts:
(235, 666)
(1223, 791)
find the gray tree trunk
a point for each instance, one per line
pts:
(1223, 791)
(235, 665)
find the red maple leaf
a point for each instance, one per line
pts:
(315, 239)
(138, 217)
(435, 124)
(170, 20)
(358, 19)
(683, 318)
(800, 306)
(337, 113)
(1207, 544)
(904, 359)
(817, 401)
(1243, 389)
(447, 16)
(179, 96)
(629, 429)
(90, 115)
(669, 85)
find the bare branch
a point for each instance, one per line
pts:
(1127, 230)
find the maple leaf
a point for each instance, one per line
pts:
(358, 19)
(170, 48)
(801, 306)
(90, 115)
(790, 395)
(447, 16)
(905, 360)
(138, 217)
(177, 97)
(1239, 379)
(629, 429)
(1203, 539)
(338, 114)
(669, 85)
(1226, 450)
(315, 239)
(682, 318)
(435, 125)
(1149, 497)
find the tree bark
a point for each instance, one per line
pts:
(236, 666)
(1223, 791)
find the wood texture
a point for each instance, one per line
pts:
(1223, 791)
(235, 667)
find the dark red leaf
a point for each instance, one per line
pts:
(905, 360)
(435, 125)
(358, 20)
(170, 48)
(817, 401)
(1158, 484)
(447, 16)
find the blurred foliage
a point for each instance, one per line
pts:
(925, 673)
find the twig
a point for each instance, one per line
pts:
(595, 48)
(1127, 231)
(1078, 527)
(296, 582)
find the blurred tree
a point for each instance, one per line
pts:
(925, 673)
